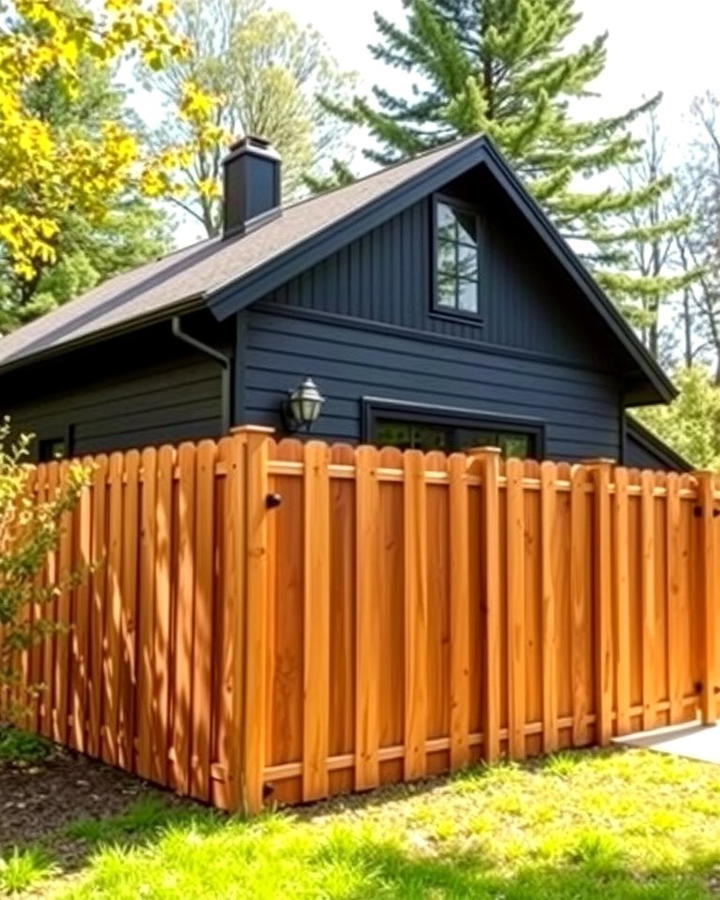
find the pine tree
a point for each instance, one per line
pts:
(502, 68)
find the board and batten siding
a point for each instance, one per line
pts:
(580, 407)
(526, 301)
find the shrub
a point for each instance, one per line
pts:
(29, 529)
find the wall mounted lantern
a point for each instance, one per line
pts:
(302, 406)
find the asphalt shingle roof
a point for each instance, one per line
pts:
(191, 273)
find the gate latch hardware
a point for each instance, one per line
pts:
(697, 512)
(273, 500)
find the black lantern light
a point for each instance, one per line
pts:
(303, 406)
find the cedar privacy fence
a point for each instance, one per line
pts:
(284, 621)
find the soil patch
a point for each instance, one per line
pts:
(39, 800)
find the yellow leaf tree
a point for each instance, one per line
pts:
(45, 173)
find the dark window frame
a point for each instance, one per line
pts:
(436, 309)
(374, 408)
(67, 440)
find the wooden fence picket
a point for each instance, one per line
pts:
(708, 597)
(647, 582)
(516, 675)
(61, 676)
(580, 618)
(160, 738)
(146, 612)
(621, 599)
(48, 611)
(367, 606)
(202, 633)
(316, 621)
(415, 543)
(253, 740)
(548, 511)
(489, 465)
(459, 612)
(603, 601)
(128, 612)
(97, 583)
(674, 603)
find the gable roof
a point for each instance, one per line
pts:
(228, 274)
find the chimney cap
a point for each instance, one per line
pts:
(251, 143)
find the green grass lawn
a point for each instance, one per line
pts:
(587, 824)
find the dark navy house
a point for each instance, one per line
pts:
(432, 303)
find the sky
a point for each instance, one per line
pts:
(653, 45)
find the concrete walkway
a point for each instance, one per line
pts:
(691, 739)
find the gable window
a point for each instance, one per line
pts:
(415, 426)
(457, 279)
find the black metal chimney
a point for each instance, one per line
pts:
(251, 183)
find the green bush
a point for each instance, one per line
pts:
(18, 746)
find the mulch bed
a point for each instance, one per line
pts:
(38, 800)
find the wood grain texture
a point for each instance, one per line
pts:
(647, 588)
(459, 612)
(202, 633)
(160, 740)
(548, 476)
(316, 629)
(489, 462)
(128, 613)
(415, 567)
(708, 595)
(621, 597)
(98, 582)
(256, 618)
(675, 612)
(146, 611)
(603, 602)
(516, 674)
(367, 613)
(184, 619)
(580, 617)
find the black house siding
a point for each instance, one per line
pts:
(141, 389)
(527, 303)
(639, 457)
(350, 359)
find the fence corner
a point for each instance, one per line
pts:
(708, 591)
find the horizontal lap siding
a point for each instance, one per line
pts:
(178, 400)
(641, 457)
(579, 407)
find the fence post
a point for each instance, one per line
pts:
(490, 468)
(600, 470)
(251, 637)
(708, 599)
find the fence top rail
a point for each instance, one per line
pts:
(285, 458)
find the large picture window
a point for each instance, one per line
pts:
(419, 427)
(457, 277)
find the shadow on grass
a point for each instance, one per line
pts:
(279, 855)
(159, 848)
(386, 870)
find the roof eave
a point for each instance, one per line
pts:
(189, 304)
